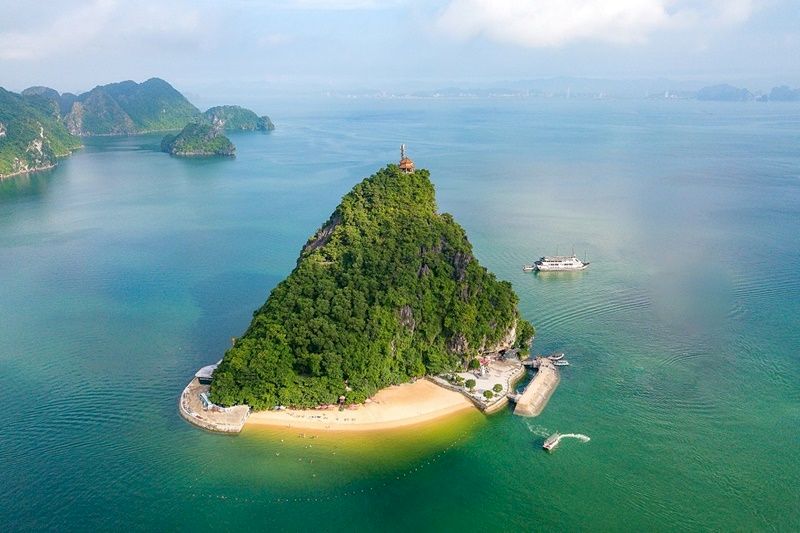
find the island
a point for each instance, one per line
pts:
(127, 108)
(784, 93)
(32, 138)
(238, 118)
(385, 293)
(199, 139)
(724, 93)
(39, 125)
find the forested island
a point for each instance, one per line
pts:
(234, 117)
(40, 124)
(32, 136)
(199, 140)
(387, 290)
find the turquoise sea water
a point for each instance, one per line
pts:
(124, 270)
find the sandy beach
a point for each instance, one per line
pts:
(393, 407)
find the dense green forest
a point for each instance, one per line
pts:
(388, 289)
(128, 107)
(238, 118)
(31, 135)
(39, 125)
(198, 139)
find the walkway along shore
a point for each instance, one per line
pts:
(511, 372)
(217, 419)
(392, 407)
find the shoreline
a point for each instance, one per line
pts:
(34, 170)
(394, 407)
(28, 171)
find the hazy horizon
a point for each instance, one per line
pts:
(312, 46)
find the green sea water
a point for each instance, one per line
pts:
(124, 270)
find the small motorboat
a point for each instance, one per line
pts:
(551, 442)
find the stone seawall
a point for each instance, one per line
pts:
(533, 400)
(217, 419)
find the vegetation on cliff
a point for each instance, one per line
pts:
(238, 118)
(39, 125)
(31, 135)
(127, 108)
(199, 139)
(386, 290)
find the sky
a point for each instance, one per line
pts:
(318, 45)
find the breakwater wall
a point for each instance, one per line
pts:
(534, 399)
(216, 419)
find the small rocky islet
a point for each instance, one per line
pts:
(199, 140)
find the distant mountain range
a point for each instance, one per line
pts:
(729, 93)
(585, 88)
(40, 125)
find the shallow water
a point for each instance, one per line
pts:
(124, 270)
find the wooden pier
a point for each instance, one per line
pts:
(533, 400)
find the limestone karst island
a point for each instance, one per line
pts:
(388, 319)
(39, 126)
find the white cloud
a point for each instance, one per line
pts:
(73, 29)
(551, 23)
(79, 25)
(327, 5)
(338, 4)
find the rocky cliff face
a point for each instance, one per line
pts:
(459, 345)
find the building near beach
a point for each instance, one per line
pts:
(206, 374)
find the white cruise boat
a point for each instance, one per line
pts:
(559, 263)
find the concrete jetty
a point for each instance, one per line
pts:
(196, 409)
(533, 400)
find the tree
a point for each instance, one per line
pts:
(525, 333)
(474, 364)
(488, 394)
(470, 384)
(497, 387)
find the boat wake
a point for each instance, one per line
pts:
(582, 438)
(541, 431)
